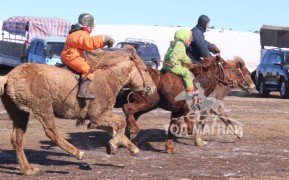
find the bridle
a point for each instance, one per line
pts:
(226, 80)
(243, 77)
(231, 82)
(146, 87)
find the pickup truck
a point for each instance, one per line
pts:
(32, 40)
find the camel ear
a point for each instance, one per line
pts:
(242, 64)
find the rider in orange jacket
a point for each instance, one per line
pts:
(79, 41)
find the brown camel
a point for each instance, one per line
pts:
(169, 86)
(49, 91)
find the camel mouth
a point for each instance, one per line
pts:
(249, 89)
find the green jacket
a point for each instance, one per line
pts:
(176, 54)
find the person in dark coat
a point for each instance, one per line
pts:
(199, 47)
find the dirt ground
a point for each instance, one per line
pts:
(263, 152)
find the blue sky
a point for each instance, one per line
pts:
(242, 15)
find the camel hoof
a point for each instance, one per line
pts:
(135, 151)
(31, 171)
(171, 150)
(202, 143)
(110, 149)
(240, 135)
(80, 155)
(132, 136)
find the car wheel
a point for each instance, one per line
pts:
(262, 91)
(284, 89)
(253, 77)
(154, 66)
(4, 70)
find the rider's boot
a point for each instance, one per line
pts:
(192, 92)
(83, 92)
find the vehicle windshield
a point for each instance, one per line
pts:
(123, 45)
(286, 59)
(53, 49)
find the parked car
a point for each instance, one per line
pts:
(272, 74)
(146, 49)
(30, 39)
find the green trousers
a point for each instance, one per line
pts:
(183, 72)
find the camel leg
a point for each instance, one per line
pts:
(116, 125)
(190, 126)
(134, 110)
(20, 121)
(198, 134)
(223, 117)
(48, 123)
(169, 142)
(189, 118)
(52, 133)
(129, 110)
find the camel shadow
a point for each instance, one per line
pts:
(98, 139)
(147, 140)
(147, 137)
(255, 94)
(83, 140)
(8, 157)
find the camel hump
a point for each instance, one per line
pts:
(102, 58)
(3, 81)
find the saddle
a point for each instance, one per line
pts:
(64, 66)
(164, 71)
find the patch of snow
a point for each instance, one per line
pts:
(231, 43)
(229, 174)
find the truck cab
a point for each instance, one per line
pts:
(45, 50)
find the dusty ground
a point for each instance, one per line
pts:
(263, 153)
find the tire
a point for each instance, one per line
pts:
(154, 66)
(284, 89)
(4, 70)
(253, 77)
(263, 92)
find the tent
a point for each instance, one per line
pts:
(30, 27)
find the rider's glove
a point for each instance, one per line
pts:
(108, 41)
(215, 49)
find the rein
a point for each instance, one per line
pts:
(141, 74)
(221, 69)
(94, 68)
(146, 88)
(229, 80)
(244, 79)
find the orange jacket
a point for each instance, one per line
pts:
(78, 42)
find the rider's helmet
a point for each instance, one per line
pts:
(86, 20)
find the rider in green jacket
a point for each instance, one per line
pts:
(176, 56)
